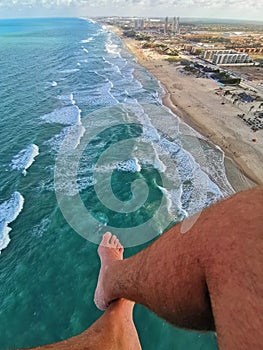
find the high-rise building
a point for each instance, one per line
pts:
(175, 25)
(166, 23)
(139, 24)
(142, 24)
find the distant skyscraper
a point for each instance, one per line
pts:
(173, 25)
(139, 24)
(177, 25)
(142, 24)
(166, 25)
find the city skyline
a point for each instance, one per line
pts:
(228, 9)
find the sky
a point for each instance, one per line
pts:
(231, 9)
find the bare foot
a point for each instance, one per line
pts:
(109, 251)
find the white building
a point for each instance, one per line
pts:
(221, 57)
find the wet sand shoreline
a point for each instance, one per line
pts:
(237, 176)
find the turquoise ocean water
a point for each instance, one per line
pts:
(63, 80)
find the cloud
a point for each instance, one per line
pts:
(70, 3)
(185, 8)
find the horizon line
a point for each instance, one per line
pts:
(114, 16)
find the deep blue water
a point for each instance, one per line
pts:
(75, 100)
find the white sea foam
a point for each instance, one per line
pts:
(157, 163)
(131, 165)
(110, 86)
(90, 20)
(85, 50)
(114, 66)
(69, 71)
(194, 161)
(161, 93)
(199, 191)
(24, 159)
(41, 228)
(69, 184)
(176, 163)
(106, 61)
(9, 211)
(101, 95)
(73, 133)
(69, 115)
(87, 40)
(67, 100)
(176, 197)
(174, 204)
(112, 49)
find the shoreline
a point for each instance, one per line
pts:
(237, 176)
(192, 100)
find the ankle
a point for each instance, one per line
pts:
(110, 281)
(122, 306)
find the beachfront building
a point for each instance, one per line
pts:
(225, 57)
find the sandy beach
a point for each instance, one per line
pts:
(197, 102)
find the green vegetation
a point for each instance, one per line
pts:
(172, 53)
(147, 45)
(161, 45)
(129, 33)
(201, 71)
(142, 37)
(220, 39)
(166, 50)
(173, 59)
(257, 58)
(226, 79)
(191, 69)
(210, 70)
(135, 35)
(209, 39)
(198, 52)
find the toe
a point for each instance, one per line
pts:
(106, 239)
(114, 241)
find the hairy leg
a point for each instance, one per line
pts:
(210, 276)
(115, 329)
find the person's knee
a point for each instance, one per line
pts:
(242, 213)
(247, 210)
(233, 226)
